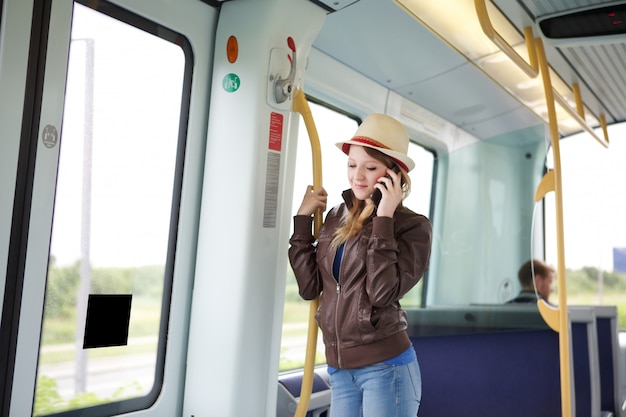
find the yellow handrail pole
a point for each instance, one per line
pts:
(579, 100)
(581, 112)
(605, 131)
(532, 69)
(529, 37)
(301, 105)
(581, 121)
(556, 318)
(555, 179)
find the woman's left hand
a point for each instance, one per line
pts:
(391, 193)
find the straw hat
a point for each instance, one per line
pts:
(385, 134)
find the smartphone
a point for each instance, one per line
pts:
(377, 194)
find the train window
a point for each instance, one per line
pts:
(593, 221)
(114, 222)
(332, 127)
(420, 202)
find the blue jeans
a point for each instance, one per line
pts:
(376, 390)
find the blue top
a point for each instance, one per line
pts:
(337, 261)
(404, 358)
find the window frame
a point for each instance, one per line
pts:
(125, 16)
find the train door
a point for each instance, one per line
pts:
(102, 228)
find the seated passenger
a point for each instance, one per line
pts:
(542, 287)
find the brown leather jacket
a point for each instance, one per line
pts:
(360, 316)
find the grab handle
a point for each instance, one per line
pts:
(533, 67)
(301, 105)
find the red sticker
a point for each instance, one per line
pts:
(276, 132)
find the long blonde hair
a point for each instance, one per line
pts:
(359, 211)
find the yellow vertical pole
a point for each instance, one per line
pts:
(301, 105)
(557, 318)
(579, 100)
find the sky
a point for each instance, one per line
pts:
(133, 122)
(594, 200)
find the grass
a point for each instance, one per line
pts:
(610, 299)
(50, 355)
(59, 334)
(296, 312)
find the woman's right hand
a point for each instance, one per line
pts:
(312, 201)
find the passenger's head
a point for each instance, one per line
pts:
(379, 143)
(384, 134)
(544, 277)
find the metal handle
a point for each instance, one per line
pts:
(301, 105)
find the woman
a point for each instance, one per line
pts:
(365, 259)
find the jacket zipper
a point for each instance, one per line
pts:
(336, 324)
(337, 306)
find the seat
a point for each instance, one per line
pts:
(609, 360)
(288, 395)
